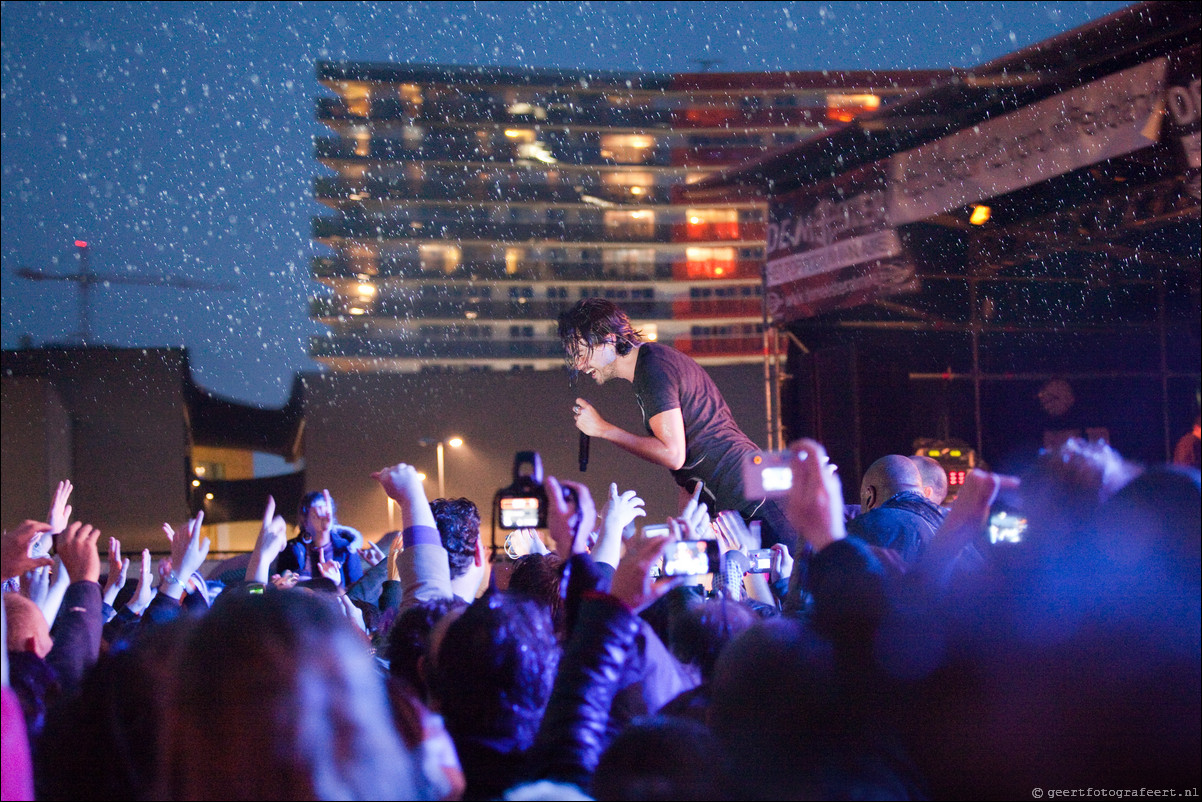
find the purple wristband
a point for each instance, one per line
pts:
(420, 535)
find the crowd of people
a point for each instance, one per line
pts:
(894, 651)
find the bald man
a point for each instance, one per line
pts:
(894, 511)
(934, 478)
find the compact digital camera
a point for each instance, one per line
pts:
(768, 474)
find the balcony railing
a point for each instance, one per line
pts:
(330, 188)
(494, 111)
(394, 150)
(436, 348)
(412, 267)
(718, 117)
(333, 227)
(441, 348)
(514, 309)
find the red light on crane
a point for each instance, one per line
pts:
(80, 244)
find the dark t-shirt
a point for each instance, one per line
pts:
(666, 379)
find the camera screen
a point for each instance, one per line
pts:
(519, 513)
(687, 558)
(760, 560)
(1006, 527)
(777, 478)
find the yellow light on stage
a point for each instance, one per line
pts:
(980, 215)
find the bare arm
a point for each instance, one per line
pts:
(665, 447)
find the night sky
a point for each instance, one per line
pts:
(176, 138)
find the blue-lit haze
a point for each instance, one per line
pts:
(176, 138)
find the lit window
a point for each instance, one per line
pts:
(712, 224)
(845, 108)
(709, 262)
(627, 148)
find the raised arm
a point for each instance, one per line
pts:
(621, 511)
(15, 558)
(666, 446)
(273, 536)
(422, 566)
(60, 511)
(570, 525)
(118, 571)
(188, 553)
(77, 630)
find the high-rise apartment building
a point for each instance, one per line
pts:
(471, 204)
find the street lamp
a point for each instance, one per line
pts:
(440, 450)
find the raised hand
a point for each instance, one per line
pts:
(188, 553)
(145, 590)
(620, 511)
(273, 537)
(35, 585)
(352, 612)
(394, 551)
(163, 570)
(331, 570)
(284, 581)
(15, 558)
(733, 532)
(695, 517)
(77, 549)
(273, 534)
(968, 516)
(570, 525)
(118, 572)
(60, 511)
(781, 566)
(401, 482)
(815, 503)
(404, 486)
(632, 583)
(58, 580)
(371, 554)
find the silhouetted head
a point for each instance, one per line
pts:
(494, 668)
(702, 630)
(663, 758)
(539, 576)
(275, 696)
(934, 478)
(885, 478)
(27, 629)
(409, 640)
(458, 521)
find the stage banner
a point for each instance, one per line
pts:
(831, 247)
(1109, 117)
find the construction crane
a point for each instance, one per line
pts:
(86, 279)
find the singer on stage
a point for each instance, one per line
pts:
(690, 429)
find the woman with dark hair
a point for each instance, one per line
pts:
(322, 547)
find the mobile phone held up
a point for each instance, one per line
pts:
(768, 474)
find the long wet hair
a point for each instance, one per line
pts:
(588, 324)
